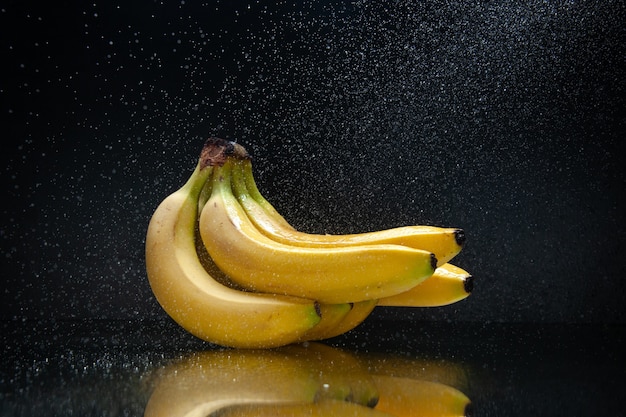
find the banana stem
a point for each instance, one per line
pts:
(216, 152)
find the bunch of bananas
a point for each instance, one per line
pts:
(226, 266)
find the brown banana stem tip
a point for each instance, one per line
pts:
(216, 151)
(318, 309)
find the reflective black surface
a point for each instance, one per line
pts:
(108, 368)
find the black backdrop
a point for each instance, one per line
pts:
(505, 119)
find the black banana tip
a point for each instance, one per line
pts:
(468, 284)
(459, 236)
(433, 261)
(469, 410)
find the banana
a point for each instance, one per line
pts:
(328, 275)
(407, 397)
(444, 243)
(447, 285)
(327, 408)
(194, 299)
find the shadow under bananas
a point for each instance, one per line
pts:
(308, 379)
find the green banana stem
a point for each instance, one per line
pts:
(250, 184)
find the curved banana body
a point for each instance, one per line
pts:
(444, 243)
(329, 275)
(199, 303)
(447, 285)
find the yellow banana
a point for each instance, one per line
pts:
(199, 303)
(447, 285)
(407, 397)
(327, 408)
(444, 243)
(329, 275)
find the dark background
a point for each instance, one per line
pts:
(505, 119)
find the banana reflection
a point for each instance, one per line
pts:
(302, 380)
